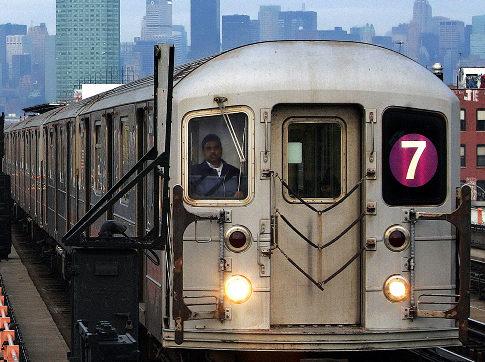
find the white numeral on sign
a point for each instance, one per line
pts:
(420, 147)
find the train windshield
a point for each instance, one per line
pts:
(313, 159)
(217, 156)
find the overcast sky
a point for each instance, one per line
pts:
(346, 13)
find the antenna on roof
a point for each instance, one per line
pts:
(303, 7)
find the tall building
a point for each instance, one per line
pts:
(236, 31)
(205, 29)
(37, 37)
(7, 29)
(299, 24)
(50, 85)
(422, 15)
(468, 34)
(254, 29)
(15, 45)
(158, 19)
(179, 40)
(269, 22)
(477, 37)
(88, 43)
(451, 46)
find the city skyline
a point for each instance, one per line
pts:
(383, 14)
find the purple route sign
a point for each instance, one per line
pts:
(413, 160)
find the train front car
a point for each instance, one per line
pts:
(302, 174)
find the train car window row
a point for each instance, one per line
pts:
(414, 157)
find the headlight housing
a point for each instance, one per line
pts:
(396, 288)
(238, 289)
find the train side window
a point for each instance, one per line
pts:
(124, 155)
(217, 157)
(313, 158)
(414, 157)
(98, 149)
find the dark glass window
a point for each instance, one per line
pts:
(417, 173)
(481, 190)
(481, 155)
(218, 157)
(462, 120)
(481, 120)
(313, 157)
(462, 155)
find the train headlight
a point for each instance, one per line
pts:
(238, 289)
(396, 238)
(396, 288)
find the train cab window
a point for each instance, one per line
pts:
(313, 158)
(414, 161)
(217, 157)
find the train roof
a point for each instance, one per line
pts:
(273, 66)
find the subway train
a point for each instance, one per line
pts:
(313, 199)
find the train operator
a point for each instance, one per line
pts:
(214, 178)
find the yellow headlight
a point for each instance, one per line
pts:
(396, 288)
(238, 289)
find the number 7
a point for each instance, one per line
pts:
(420, 147)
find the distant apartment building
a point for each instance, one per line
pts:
(269, 25)
(88, 44)
(205, 17)
(477, 37)
(472, 126)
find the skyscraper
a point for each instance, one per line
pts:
(157, 22)
(422, 15)
(88, 43)
(420, 24)
(37, 37)
(236, 31)
(477, 37)
(269, 22)
(7, 29)
(205, 29)
(451, 46)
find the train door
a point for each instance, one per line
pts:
(315, 157)
(72, 174)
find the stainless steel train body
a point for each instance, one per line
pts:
(313, 128)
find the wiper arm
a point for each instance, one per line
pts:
(239, 149)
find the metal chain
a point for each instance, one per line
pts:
(326, 245)
(311, 207)
(321, 284)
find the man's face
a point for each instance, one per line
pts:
(213, 152)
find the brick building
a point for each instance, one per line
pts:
(472, 125)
